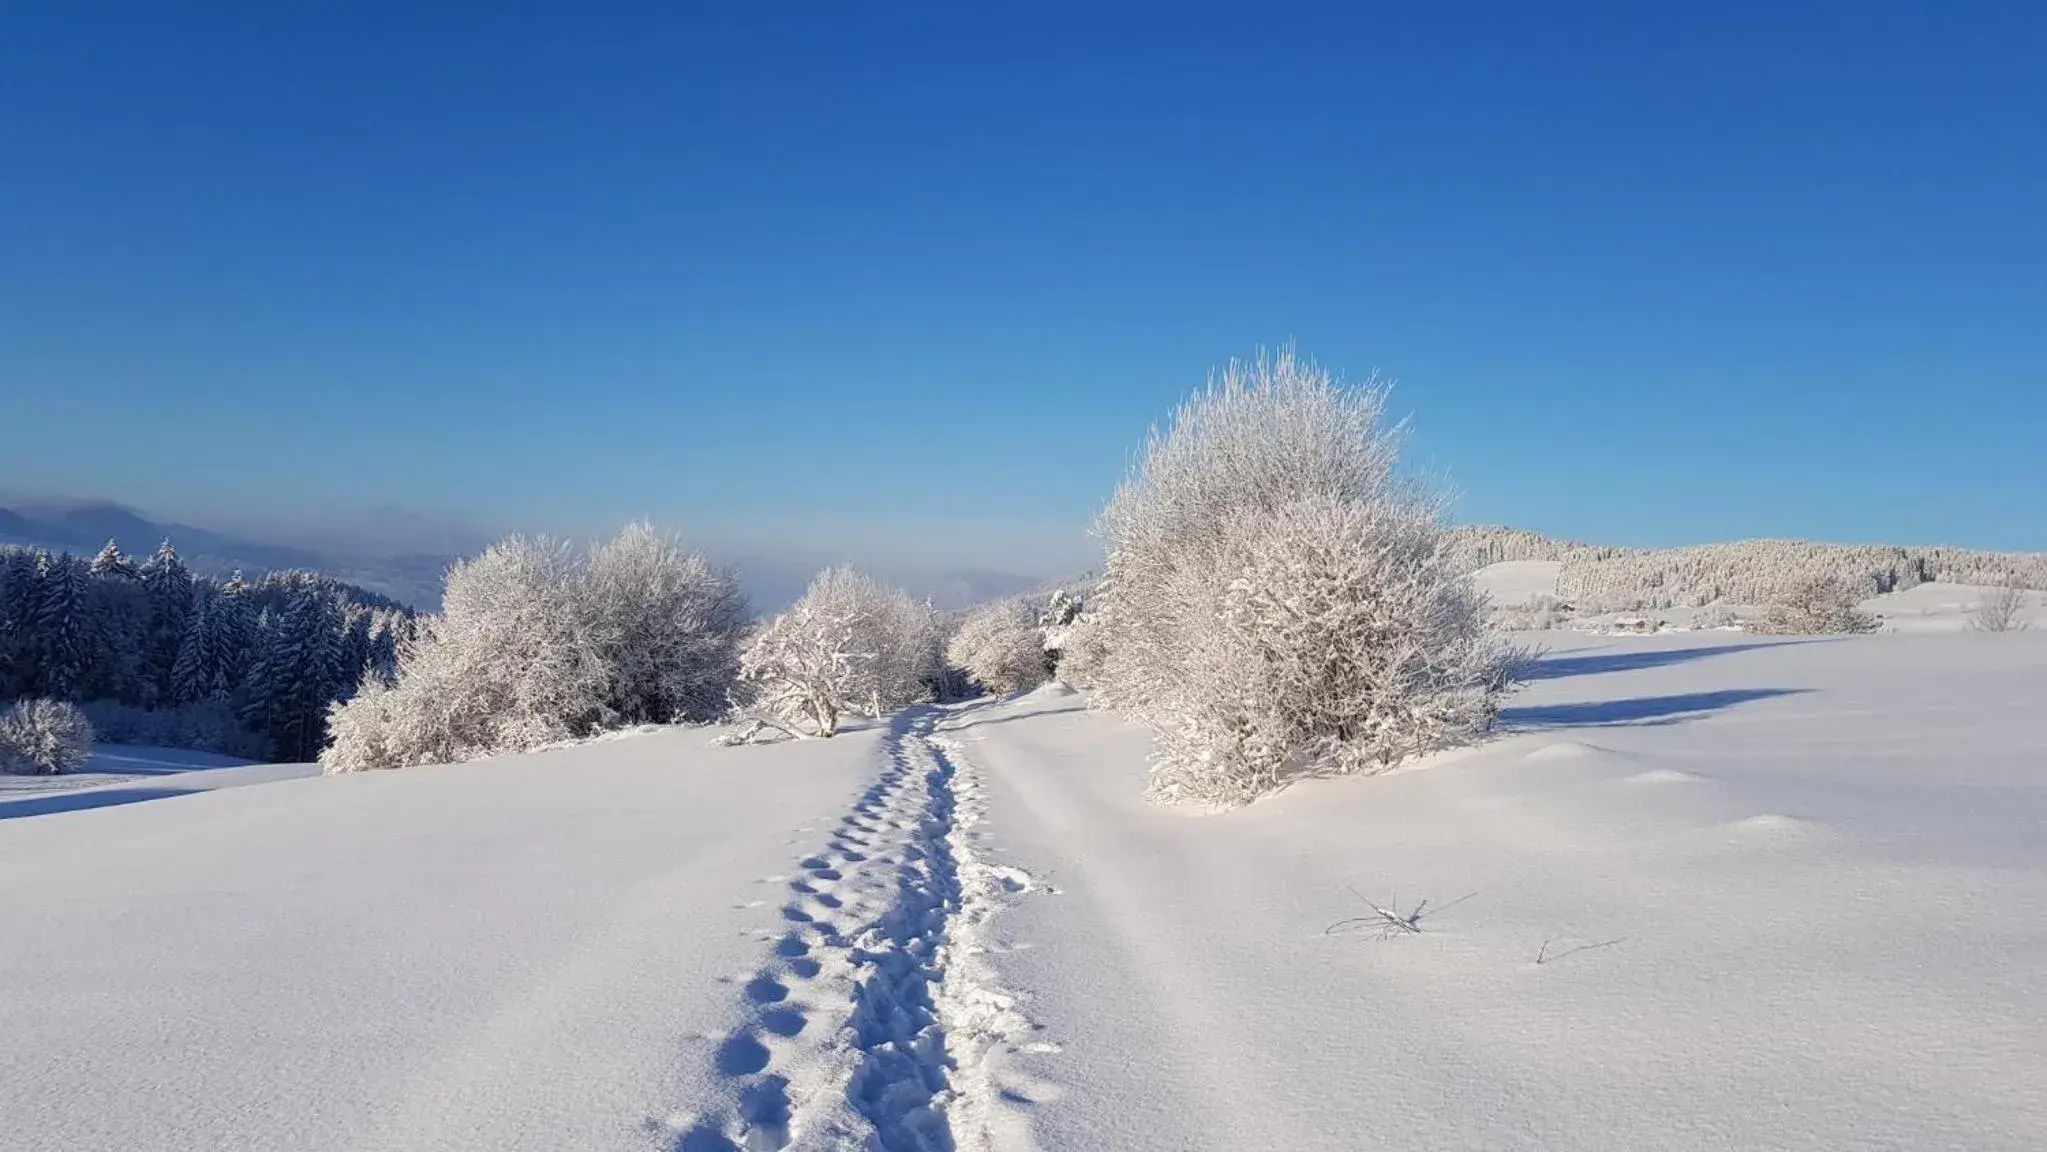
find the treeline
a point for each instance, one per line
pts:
(1595, 579)
(159, 654)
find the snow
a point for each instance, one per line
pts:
(1706, 892)
(1943, 607)
(1512, 583)
(127, 773)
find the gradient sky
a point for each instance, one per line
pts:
(912, 283)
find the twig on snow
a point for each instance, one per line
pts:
(1390, 922)
(1542, 955)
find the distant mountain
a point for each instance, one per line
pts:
(83, 526)
(964, 589)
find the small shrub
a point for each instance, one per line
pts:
(44, 738)
(2003, 608)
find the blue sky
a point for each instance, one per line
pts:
(885, 282)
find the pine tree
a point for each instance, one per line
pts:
(59, 642)
(296, 675)
(18, 595)
(169, 586)
(195, 676)
(234, 635)
(110, 563)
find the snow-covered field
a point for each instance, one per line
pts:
(129, 773)
(1936, 606)
(1707, 892)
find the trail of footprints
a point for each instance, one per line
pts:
(857, 950)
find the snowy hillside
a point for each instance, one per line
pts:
(1702, 893)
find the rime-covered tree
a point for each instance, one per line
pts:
(1278, 600)
(666, 626)
(1001, 647)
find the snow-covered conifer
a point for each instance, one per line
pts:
(59, 649)
(112, 564)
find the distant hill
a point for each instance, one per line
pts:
(1605, 579)
(83, 526)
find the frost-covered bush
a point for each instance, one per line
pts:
(849, 646)
(1539, 613)
(1278, 600)
(1078, 651)
(1001, 647)
(210, 726)
(666, 627)
(1820, 606)
(536, 645)
(44, 738)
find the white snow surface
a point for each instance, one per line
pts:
(1512, 583)
(1706, 892)
(129, 773)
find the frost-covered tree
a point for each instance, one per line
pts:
(667, 627)
(1819, 606)
(1001, 647)
(44, 738)
(1078, 651)
(1277, 600)
(536, 645)
(849, 646)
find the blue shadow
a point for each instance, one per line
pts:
(1638, 711)
(82, 800)
(1558, 667)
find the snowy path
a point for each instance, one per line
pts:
(873, 1021)
(1811, 879)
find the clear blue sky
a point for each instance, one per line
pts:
(916, 281)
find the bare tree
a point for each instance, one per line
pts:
(2003, 608)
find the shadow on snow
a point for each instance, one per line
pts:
(1558, 667)
(1636, 711)
(82, 799)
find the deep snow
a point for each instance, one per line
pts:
(1706, 892)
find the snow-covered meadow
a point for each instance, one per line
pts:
(1702, 891)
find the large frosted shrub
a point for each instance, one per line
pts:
(1001, 647)
(44, 738)
(850, 646)
(1278, 601)
(1820, 606)
(537, 645)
